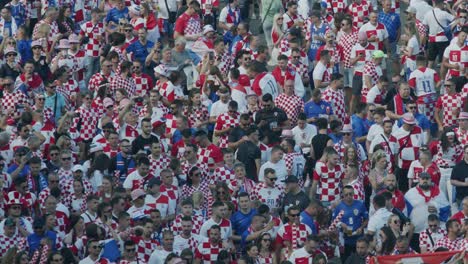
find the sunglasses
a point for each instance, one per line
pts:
(128, 30)
(197, 174)
(296, 57)
(16, 207)
(11, 54)
(68, 158)
(37, 47)
(346, 134)
(273, 179)
(433, 225)
(53, 154)
(412, 107)
(294, 215)
(130, 249)
(447, 85)
(372, 110)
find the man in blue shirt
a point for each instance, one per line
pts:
(141, 48)
(354, 219)
(359, 123)
(118, 12)
(54, 100)
(307, 216)
(391, 21)
(35, 240)
(317, 107)
(242, 219)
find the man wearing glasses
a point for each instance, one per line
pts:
(94, 249)
(354, 219)
(14, 212)
(429, 237)
(129, 253)
(268, 191)
(293, 235)
(106, 73)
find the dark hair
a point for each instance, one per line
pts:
(450, 223)
(321, 123)
(379, 200)
(444, 143)
(432, 217)
(143, 161)
(100, 208)
(389, 244)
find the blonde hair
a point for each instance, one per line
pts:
(277, 28)
(379, 154)
(197, 198)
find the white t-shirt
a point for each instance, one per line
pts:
(158, 256)
(219, 108)
(443, 18)
(181, 243)
(280, 171)
(374, 131)
(378, 220)
(304, 136)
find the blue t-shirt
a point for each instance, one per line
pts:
(311, 109)
(34, 240)
(115, 15)
(50, 103)
(24, 49)
(23, 173)
(354, 215)
(421, 121)
(140, 51)
(241, 222)
(308, 220)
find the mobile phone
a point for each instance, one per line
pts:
(29, 155)
(211, 55)
(139, 99)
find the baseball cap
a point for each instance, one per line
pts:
(378, 54)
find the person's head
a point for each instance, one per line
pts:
(425, 181)
(453, 227)
(129, 250)
(142, 33)
(267, 102)
(243, 199)
(402, 245)
(404, 90)
(277, 153)
(168, 240)
(201, 138)
(294, 214)
(194, 6)
(425, 157)
(463, 33)
(348, 194)
(187, 225)
(332, 156)
(388, 239)
(215, 234)
(92, 202)
(258, 222)
(312, 244)
(362, 247)
(379, 201)
(336, 80)
(94, 247)
(143, 165)
(325, 56)
(219, 209)
(270, 176)
(433, 222)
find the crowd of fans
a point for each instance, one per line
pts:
(166, 131)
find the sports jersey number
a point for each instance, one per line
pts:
(427, 87)
(270, 202)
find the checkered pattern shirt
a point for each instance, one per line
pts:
(64, 175)
(68, 186)
(299, 68)
(271, 196)
(292, 105)
(358, 187)
(92, 32)
(336, 99)
(359, 12)
(441, 157)
(461, 135)
(157, 165)
(196, 114)
(284, 46)
(171, 124)
(411, 149)
(144, 248)
(296, 234)
(207, 252)
(207, 155)
(89, 119)
(329, 181)
(54, 30)
(224, 121)
(425, 241)
(12, 100)
(8, 242)
(186, 167)
(338, 6)
(188, 25)
(340, 147)
(74, 203)
(457, 244)
(128, 84)
(346, 43)
(197, 222)
(96, 80)
(222, 174)
(224, 62)
(143, 84)
(422, 29)
(374, 71)
(187, 192)
(451, 105)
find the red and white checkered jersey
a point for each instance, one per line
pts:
(143, 84)
(340, 147)
(230, 16)
(208, 5)
(186, 167)
(225, 121)
(451, 105)
(210, 155)
(450, 157)
(423, 80)
(136, 181)
(222, 174)
(79, 70)
(329, 181)
(96, 80)
(187, 25)
(64, 176)
(322, 72)
(358, 186)
(162, 203)
(266, 260)
(95, 33)
(224, 224)
(265, 83)
(336, 99)
(271, 196)
(157, 165)
(11, 101)
(461, 135)
(196, 114)
(187, 192)
(426, 242)
(181, 243)
(300, 68)
(459, 243)
(456, 55)
(169, 90)
(144, 248)
(378, 30)
(67, 187)
(296, 234)
(411, 143)
(422, 29)
(75, 204)
(289, 21)
(295, 163)
(356, 51)
(129, 132)
(292, 105)
(334, 51)
(8, 242)
(171, 123)
(416, 169)
(224, 62)
(346, 41)
(126, 83)
(197, 222)
(54, 30)
(207, 252)
(337, 6)
(374, 71)
(86, 123)
(375, 95)
(359, 12)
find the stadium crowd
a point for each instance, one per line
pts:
(235, 131)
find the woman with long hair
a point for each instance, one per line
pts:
(385, 242)
(22, 258)
(223, 194)
(277, 36)
(77, 230)
(194, 184)
(98, 170)
(76, 201)
(196, 112)
(107, 189)
(241, 183)
(55, 258)
(449, 153)
(412, 47)
(378, 171)
(266, 252)
(151, 22)
(65, 23)
(394, 223)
